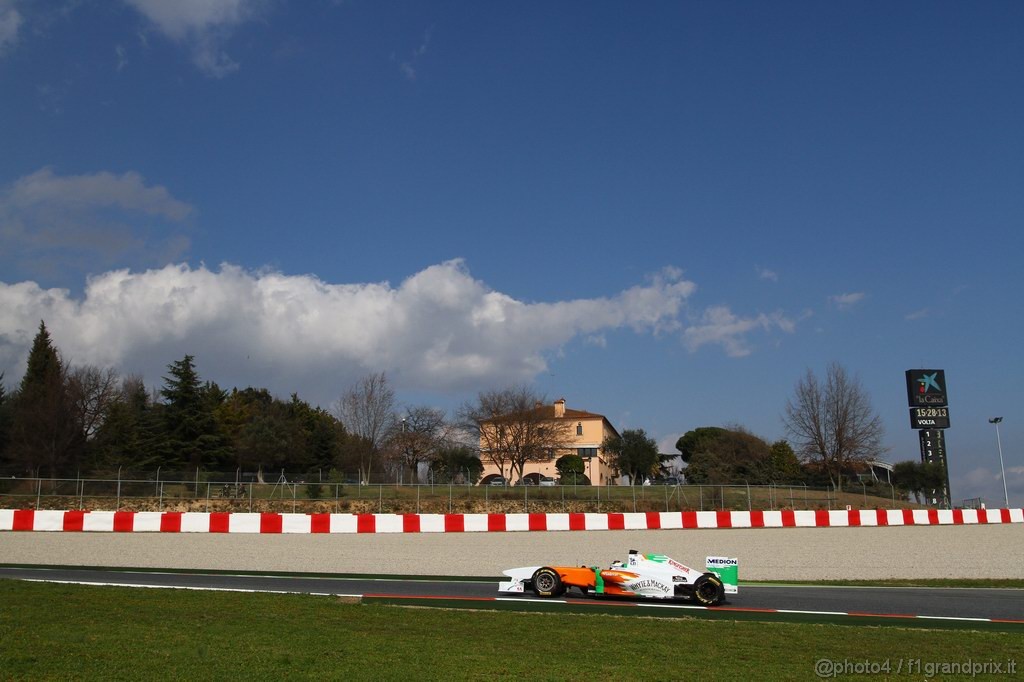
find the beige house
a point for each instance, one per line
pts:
(583, 432)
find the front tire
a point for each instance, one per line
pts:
(547, 583)
(708, 590)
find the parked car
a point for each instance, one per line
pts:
(527, 481)
(547, 482)
(667, 480)
(498, 480)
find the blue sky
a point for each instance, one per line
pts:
(663, 212)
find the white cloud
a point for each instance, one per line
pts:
(48, 221)
(918, 314)
(439, 329)
(769, 275)
(127, 191)
(10, 22)
(843, 301)
(202, 25)
(718, 325)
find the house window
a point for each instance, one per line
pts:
(579, 428)
(586, 453)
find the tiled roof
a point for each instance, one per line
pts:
(548, 411)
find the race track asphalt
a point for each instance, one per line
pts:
(962, 604)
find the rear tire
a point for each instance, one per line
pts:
(708, 590)
(547, 583)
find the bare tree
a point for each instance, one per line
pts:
(92, 391)
(417, 437)
(833, 423)
(366, 409)
(514, 426)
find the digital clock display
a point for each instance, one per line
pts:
(926, 412)
(929, 417)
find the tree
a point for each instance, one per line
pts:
(784, 464)
(257, 427)
(420, 434)
(833, 423)
(697, 440)
(367, 411)
(725, 456)
(44, 432)
(633, 453)
(513, 426)
(321, 434)
(907, 476)
(6, 404)
(193, 436)
(925, 480)
(571, 469)
(92, 391)
(131, 433)
(456, 464)
(933, 480)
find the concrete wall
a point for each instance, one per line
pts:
(989, 551)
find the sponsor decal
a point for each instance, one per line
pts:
(928, 381)
(648, 583)
(926, 387)
(727, 571)
(678, 566)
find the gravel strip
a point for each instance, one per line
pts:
(764, 554)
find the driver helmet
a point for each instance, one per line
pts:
(617, 564)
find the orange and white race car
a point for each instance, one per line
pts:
(654, 576)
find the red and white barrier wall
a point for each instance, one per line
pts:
(226, 522)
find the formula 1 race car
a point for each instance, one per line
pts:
(643, 575)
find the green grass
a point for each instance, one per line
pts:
(50, 631)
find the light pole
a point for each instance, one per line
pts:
(1002, 471)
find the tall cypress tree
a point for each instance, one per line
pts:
(44, 363)
(193, 436)
(44, 434)
(6, 404)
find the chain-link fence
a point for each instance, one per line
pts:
(319, 494)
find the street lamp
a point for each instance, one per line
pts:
(1002, 471)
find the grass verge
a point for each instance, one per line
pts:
(51, 631)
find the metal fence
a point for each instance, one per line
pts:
(310, 495)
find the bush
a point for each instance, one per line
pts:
(314, 491)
